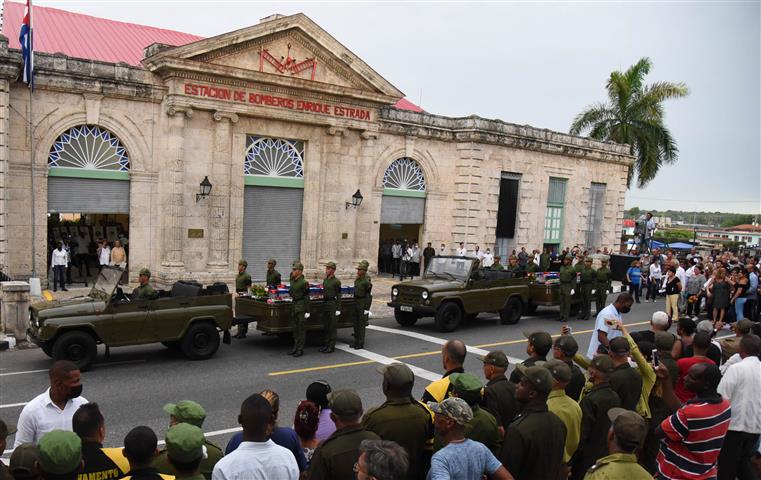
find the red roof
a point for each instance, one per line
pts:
(745, 227)
(94, 38)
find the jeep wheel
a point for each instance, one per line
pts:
(530, 308)
(77, 347)
(200, 342)
(512, 311)
(47, 349)
(405, 319)
(448, 317)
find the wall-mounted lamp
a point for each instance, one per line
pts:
(356, 200)
(205, 189)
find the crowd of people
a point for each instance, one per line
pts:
(77, 251)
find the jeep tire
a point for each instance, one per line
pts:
(405, 319)
(78, 347)
(448, 317)
(511, 313)
(200, 341)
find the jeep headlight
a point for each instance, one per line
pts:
(424, 295)
(394, 291)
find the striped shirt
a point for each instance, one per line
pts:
(694, 435)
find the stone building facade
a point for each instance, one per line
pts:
(287, 124)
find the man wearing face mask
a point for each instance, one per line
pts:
(54, 408)
(606, 324)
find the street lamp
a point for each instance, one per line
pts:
(205, 189)
(356, 200)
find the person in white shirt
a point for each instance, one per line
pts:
(462, 251)
(58, 261)
(442, 250)
(654, 282)
(54, 408)
(606, 324)
(104, 254)
(257, 458)
(488, 259)
(741, 386)
(396, 255)
(478, 253)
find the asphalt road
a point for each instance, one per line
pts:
(133, 385)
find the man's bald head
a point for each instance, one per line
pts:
(750, 346)
(703, 379)
(453, 354)
(61, 369)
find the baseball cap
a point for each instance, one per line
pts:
(455, 408)
(619, 345)
(602, 363)
(664, 340)
(539, 377)
(6, 429)
(629, 426)
(184, 442)
(59, 452)
(22, 461)
(186, 411)
(496, 358)
(567, 344)
(465, 382)
(397, 374)
(539, 339)
(345, 403)
(559, 370)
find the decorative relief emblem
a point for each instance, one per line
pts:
(287, 63)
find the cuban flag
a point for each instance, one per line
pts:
(27, 46)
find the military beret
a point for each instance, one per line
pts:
(22, 461)
(297, 266)
(664, 340)
(602, 363)
(331, 265)
(567, 344)
(539, 339)
(539, 377)
(496, 358)
(397, 374)
(59, 452)
(186, 411)
(184, 443)
(465, 382)
(243, 262)
(145, 271)
(345, 403)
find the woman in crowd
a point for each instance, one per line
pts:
(118, 255)
(656, 275)
(305, 424)
(741, 292)
(317, 393)
(694, 286)
(719, 292)
(673, 288)
(634, 276)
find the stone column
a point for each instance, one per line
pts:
(174, 208)
(4, 156)
(219, 209)
(14, 309)
(467, 196)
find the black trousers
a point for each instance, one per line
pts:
(751, 310)
(734, 459)
(59, 276)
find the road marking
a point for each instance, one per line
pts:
(99, 365)
(23, 373)
(48, 295)
(11, 405)
(323, 367)
(375, 357)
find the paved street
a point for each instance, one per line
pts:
(133, 385)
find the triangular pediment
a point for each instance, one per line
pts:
(290, 50)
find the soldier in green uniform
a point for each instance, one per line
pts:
(188, 412)
(513, 264)
(628, 430)
(496, 265)
(544, 261)
(602, 285)
(331, 292)
(483, 427)
(299, 291)
(273, 276)
(144, 291)
(567, 284)
(363, 301)
(531, 266)
(185, 449)
(587, 284)
(242, 285)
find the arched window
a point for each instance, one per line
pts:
(89, 147)
(404, 174)
(274, 157)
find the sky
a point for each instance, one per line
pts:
(541, 63)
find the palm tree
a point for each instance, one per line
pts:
(633, 115)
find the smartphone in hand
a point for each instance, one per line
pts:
(656, 358)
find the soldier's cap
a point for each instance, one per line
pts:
(602, 363)
(619, 345)
(540, 340)
(59, 452)
(604, 261)
(567, 344)
(184, 443)
(496, 358)
(397, 374)
(345, 403)
(272, 261)
(363, 265)
(629, 427)
(743, 326)
(6, 429)
(186, 411)
(497, 257)
(664, 340)
(331, 265)
(588, 260)
(559, 370)
(242, 262)
(22, 461)
(465, 382)
(455, 408)
(146, 272)
(297, 266)
(539, 377)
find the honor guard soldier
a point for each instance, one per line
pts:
(587, 284)
(242, 284)
(602, 285)
(144, 291)
(513, 264)
(331, 291)
(299, 291)
(185, 451)
(567, 284)
(273, 276)
(363, 300)
(497, 265)
(544, 261)
(628, 430)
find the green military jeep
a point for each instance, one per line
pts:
(452, 289)
(188, 318)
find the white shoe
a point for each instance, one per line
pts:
(695, 318)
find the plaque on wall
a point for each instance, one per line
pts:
(195, 232)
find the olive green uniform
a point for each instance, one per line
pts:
(531, 267)
(299, 291)
(534, 444)
(567, 283)
(273, 277)
(498, 266)
(335, 456)
(331, 288)
(617, 466)
(483, 428)
(544, 262)
(587, 284)
(242, 282)
(363, 300)
(213, 452)
(593, 441)
(602, 287)
(143, 292)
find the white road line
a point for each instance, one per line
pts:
(375, 357)
(11, 405)
(98, 365)
(22, 373)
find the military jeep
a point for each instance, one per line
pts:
(453, 289)
(188, 318)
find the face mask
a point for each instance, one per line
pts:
(626, 309)
(75, 392)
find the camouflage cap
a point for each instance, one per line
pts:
(59, 452)
(465, 382)
(540, 340)
(22, 461)
(363, 265)
(539, 377)
(146, 272)
(331, 265)
(567, 344)
(345, 403)
(6, 429)
(664, 340)
(186, 411)
(455, 408)
(619, 345)
(628, 426)
(602, 363)
(397, 374)
(242, 262)
(559, 370)
(184, 442)
(496, 358)
(297, 265)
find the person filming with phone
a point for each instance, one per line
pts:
(606, 324)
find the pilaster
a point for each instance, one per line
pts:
(219, 209)
(174, 207)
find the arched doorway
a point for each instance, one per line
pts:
(402, 209)
(88, 197)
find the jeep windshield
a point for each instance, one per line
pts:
(106, 283)
(452, 268)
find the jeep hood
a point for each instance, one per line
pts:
(432, 284)
(66, 308)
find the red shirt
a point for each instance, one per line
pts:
(684, 365)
